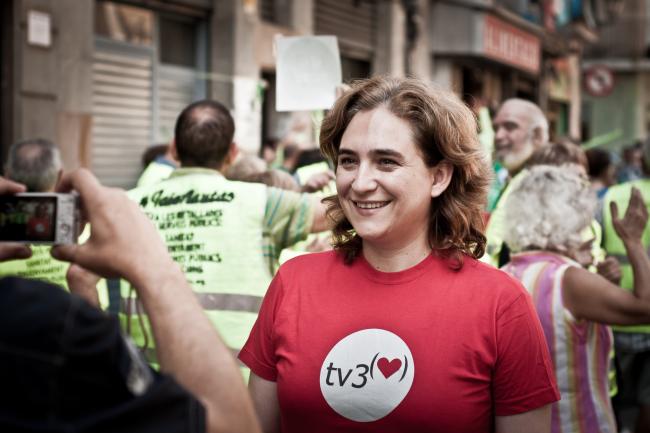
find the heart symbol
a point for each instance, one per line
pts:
(388, 368)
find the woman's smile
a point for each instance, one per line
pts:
(370, 204)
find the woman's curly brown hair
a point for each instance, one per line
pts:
(444, 129)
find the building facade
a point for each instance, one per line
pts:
(617, 74)
(106, 78)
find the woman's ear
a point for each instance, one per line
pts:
(441, 177)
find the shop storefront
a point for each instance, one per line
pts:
(484, 57)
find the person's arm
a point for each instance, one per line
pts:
(290, 217)
(265, 399)
(534, 421)
(589, 296)
(610, 269)
(124, 243)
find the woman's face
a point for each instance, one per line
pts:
(384, 186)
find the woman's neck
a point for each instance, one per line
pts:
(395, 259)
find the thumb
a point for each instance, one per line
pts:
(66, 253)
(11, 251)
(613, 208)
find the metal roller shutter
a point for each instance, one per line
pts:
(122, 114)
(176, 90)
(352, 21)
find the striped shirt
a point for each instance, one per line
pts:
(288, 218)
(580, 349)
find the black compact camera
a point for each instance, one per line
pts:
(39, 218)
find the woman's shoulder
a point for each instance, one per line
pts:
(313, 263)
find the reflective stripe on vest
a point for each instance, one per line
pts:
(620, 194)
(213, 230)
(212, 301)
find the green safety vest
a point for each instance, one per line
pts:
(497, 225)
(213, 229)
(40, 266)
(154, 173)
(614, 245)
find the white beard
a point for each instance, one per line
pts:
(514, 161)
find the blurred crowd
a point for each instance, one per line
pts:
(195, 245)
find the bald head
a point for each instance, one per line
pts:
(520, 128)
(203, 134)
(36, 163)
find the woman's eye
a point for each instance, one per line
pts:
(346, 161)
(387, 162)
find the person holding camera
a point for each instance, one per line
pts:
(123, 243)
(36, 163)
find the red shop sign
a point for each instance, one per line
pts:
(509, 44)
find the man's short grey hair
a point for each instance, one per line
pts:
(536, 116)
(35, 163)
(548, 209)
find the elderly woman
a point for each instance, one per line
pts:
(400, 328)
(549, 211)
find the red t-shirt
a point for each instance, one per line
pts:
(425, 349)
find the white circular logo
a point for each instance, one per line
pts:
(367, 374)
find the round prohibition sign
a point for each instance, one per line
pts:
(599, 80)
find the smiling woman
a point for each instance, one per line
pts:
(398, 119)
(400, 328)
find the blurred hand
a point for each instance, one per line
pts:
(610, 269)
(83, 283)
(631, 227)
(123, 242)
(12, 250)
(318, 181)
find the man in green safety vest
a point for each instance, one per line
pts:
(632, 343)
(160, 167)
(226, 235)
(520, 128)
(36, 163)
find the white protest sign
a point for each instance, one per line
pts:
(39, 29)
(308, 72)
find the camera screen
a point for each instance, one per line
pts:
(31, 219)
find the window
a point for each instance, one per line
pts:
(352, 69)
(275, 11)
(124, 23)
(177, 42)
